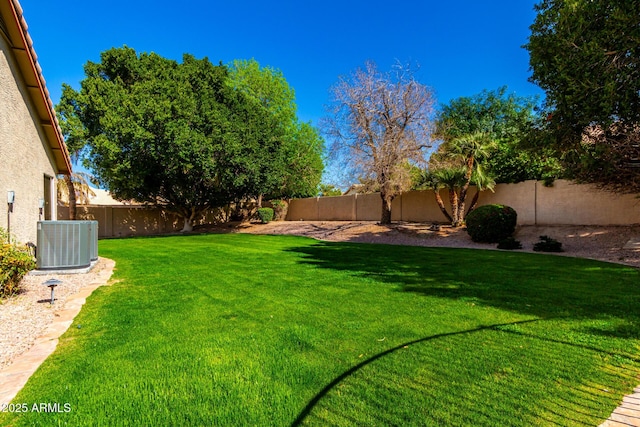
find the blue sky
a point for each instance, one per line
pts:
(461, 46)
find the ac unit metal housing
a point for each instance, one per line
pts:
(66, 244)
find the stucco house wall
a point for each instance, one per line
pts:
(32, 152)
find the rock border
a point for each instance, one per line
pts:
(15, 375)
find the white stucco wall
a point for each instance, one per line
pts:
(25, 158)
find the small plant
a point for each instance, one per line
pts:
(548, 244)
(265, 215)
(491, 223)
(15, 262)
(509, 243)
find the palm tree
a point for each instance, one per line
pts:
(456, 166)
(75, 189)
(429, 181)
(453, 178)
(67, 111)
(482, 181)
(471, 149)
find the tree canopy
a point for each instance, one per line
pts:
(585, 54)
(508, 120)
(181, 135)
(293, 165)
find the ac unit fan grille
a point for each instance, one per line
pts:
(66, 244)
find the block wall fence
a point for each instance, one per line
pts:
(565, 203)
(128, 220)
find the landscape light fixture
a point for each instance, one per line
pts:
(52, 283)
(11, 198)
(41, 207)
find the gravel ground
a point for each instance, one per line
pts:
(26, 316)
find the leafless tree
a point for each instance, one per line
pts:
(612, 159)
(382, 124)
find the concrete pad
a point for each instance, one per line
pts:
(81, 270)
(627, 414)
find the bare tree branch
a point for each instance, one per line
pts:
(381, 123)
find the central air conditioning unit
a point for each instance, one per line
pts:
(66, 244)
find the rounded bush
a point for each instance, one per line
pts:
(491, 223)
(265, 215)
(15, 262)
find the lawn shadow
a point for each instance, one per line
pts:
(314, 401)
(544, 286)
(531, 284)
(503, 327)
(626, 330)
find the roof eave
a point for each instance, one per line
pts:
(36, 85)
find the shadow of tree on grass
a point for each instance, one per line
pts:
(570, 408)
(530, 284)
(313, 402)
(558, 289)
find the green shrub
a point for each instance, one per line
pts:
(491, 223)
(509, 243)
(265, 215)
(548, 244)
(15, 262)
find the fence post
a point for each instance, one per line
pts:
(354, 213)
(535, 203)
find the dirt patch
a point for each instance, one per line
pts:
(595, 242)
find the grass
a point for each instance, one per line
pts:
(274, 330)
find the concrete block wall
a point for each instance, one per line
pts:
(581, 204)
(564, 203)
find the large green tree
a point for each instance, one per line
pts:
(165, 133)
(585, 54)
(508, 120)
(291, 163)
(304, 162)
(189, 136)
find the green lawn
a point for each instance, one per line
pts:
(276, 331)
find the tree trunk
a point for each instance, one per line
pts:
(188, 225)
(463, 193)
(72, 197)
(386, 210)
(188, 221)
(455, 212)
(474, 202)
(461, 204)
(259, 201)
(441, 205)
